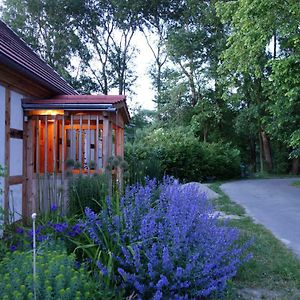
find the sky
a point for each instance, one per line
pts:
(144, 91)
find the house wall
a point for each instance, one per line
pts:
(11, 151)
(2, 138)
(16, 154)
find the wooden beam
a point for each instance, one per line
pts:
(25, 212)
(97, 144)
(12, 180)
(37, 145)
(16, 133)
(105, 142)
(73, 153)
(30, 168)
(7, 155)
(63, 149)
(54, 145)
(80, 150)
(89, 145)
(46, 145)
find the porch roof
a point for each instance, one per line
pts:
(81, 103)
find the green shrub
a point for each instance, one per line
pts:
(140, 167)
(182, 155)
(57, 277)
(86, 191)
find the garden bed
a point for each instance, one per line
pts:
(157, 241)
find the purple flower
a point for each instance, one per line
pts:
(12, 248)
(42, 238)
(54, 207)
(102, 268)
(165, 243)
(158, 295)
(60, 227)
(90, 215)
(19, 230)
(75, 230)
(163, 281)
(175, 243)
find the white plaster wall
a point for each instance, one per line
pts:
(2, 135)
(16, 157)
(16, 111)
(16, 154)
(15, 201)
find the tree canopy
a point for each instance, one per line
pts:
(227, 71)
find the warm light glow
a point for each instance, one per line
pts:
(49, 112)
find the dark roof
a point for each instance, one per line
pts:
(80, 99)
(80, 102)
(16, 54)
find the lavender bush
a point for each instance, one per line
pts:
(163, 241)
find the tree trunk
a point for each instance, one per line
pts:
(261, 161)
(266, 150)
(252, 145)
(295, 166)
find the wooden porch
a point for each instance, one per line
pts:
(77, 137)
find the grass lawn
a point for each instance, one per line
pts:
(274, 271)
(296, 183)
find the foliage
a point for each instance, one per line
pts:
(163, 242)
(141, 168)
(86, 192)
(183, 156)
(264, 46)
(296, 183)
(140, 119)
(56, 278)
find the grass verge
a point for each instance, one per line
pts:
(296, 183)
(274, 270)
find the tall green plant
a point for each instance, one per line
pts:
(87, 191)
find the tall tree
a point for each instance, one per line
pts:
(253, 25)
(107, 29)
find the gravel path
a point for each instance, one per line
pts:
(273, 203)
